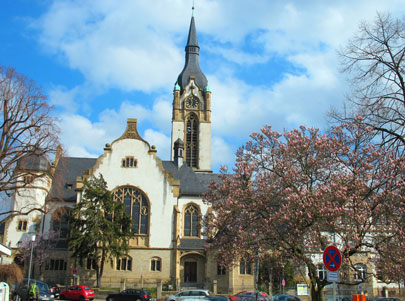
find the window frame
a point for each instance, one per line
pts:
(129, 162)
(56, 264)
(221, 270)
(156, 264)
(63, 222)
(192, 216)
(22, 225)
(135, 200)
(360, 272)
(245, 268)
(91, 264)
(321, 270)
(123, 263)
(191, 138)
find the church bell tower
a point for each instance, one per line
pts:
(191, 120)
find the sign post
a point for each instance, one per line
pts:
(74, 276)
(332, 261)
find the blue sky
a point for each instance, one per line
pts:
(103, 61)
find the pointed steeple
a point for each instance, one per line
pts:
(192, 36)
(192, 66)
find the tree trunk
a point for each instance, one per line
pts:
(100, 269)
(98, 278)
(316, 292)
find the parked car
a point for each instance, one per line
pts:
(386, 299)
(249, 296)
(283, 297)
(54, 289)
(217, 298)
(21, 291)
(189, 294)
(130, 295)
(341, 298)
(77, 292)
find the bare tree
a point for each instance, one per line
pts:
(28, 133)
(374, 60)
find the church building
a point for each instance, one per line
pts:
(163, 198)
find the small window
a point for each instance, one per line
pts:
(129, 162)
(124, 264)
(360, 272)
(56, 265)
(91, 264)
(28, 179)
(245, 268)
(220, 269)
(22, 225)
(156, 264)
(322, 273)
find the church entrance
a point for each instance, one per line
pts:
(190, 271)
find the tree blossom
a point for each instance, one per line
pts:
(303, 190)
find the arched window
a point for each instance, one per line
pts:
(191, 145)
(60, 222)
(124, 264)
(191, 221)
(136, 205)
(156, 264)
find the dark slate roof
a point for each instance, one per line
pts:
(69, 168)
(192, 66)
(64, 183)
(192, 244)
(191, 183)
(2, 227)
(34, 162)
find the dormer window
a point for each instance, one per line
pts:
(129, 162)
(22, 225)
(28, 179)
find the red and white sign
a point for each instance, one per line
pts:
(332, 258)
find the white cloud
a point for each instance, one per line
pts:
(63, 98)
(136, 46)
(221, 152)
(161, 141)
(81, 137)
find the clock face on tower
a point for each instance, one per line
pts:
(192, 102)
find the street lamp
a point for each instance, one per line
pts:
(32, 248)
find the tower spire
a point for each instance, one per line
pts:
(192, 66)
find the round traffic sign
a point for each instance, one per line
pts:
(332, 258)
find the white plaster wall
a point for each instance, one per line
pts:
(148, 177)
(177, 132)
(25, 199)
(205, 146)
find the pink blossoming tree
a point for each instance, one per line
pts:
(300, 191)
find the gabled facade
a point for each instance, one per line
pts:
(164, 199)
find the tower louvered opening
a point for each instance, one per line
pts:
(191, 145)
